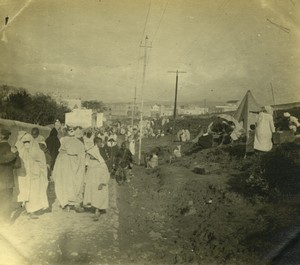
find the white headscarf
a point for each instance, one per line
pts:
(268, 109)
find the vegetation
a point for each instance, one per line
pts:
(18, 104)
(95, 105)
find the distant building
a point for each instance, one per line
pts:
(230, 105)
(121, 109)
(168, 110)
(286, 106)
(194, 111)
(84, 118)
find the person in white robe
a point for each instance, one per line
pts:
(264, 130)
(187, 135)
(96, 181)
(131, 147)
(68, 172)
(32, 175)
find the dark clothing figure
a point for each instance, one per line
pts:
(123, 164)
(250, 141)
(53, 145)
(124, 158)
(110, 153)
(223, 129)
(104, 152)
(7, 161)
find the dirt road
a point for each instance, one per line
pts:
(167, 215)
(60, 237)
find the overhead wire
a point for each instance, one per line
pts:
(146, 20)
(141, 40)
(160, 21)
(15, 16)
(224, 5)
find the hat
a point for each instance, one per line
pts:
(5, 132)
(286, 115)
(268, 109)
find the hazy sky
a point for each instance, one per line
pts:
(90, 48)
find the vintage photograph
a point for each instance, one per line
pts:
(149, 132)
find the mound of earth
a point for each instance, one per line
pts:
(174, 215)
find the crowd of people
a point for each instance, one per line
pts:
(259, 138)
(79, 162)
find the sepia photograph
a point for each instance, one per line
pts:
(141, 132)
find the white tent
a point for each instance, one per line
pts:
(247, 112)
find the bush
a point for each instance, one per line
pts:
(270, 175)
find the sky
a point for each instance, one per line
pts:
(90, 49)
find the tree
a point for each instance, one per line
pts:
(17, 105)
(46, 109)
(94, 105)
(37, 109)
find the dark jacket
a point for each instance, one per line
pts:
(7, 160)
(53, 145)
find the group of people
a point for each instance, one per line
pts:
(260, 135)
(183, 135)
(25, 167)
(80, 164)
(259, 138)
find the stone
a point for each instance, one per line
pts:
(199, 170)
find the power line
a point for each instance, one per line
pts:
(286, 30)
(216, 34)
(16, 15)
(161, 18)
(224, 5)
(146, 21)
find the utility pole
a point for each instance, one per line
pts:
(175, 101)
(146, 46)
(275, 116)
(133, 108)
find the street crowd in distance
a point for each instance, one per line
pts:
(81, 162)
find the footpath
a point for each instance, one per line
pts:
(60, 237)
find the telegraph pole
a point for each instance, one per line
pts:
(146, 46)
(133, 108)
(275, 116)
(175, 101)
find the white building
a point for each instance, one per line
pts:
(230, 105)
(84, 118)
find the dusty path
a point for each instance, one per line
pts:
(60, 237)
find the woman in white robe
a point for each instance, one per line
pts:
(68, 172)
(32, 175)
(96, 181)
(264, 130)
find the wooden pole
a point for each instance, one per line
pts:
(175, 101)
(146, 46)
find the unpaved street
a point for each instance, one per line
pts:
(60, 237)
